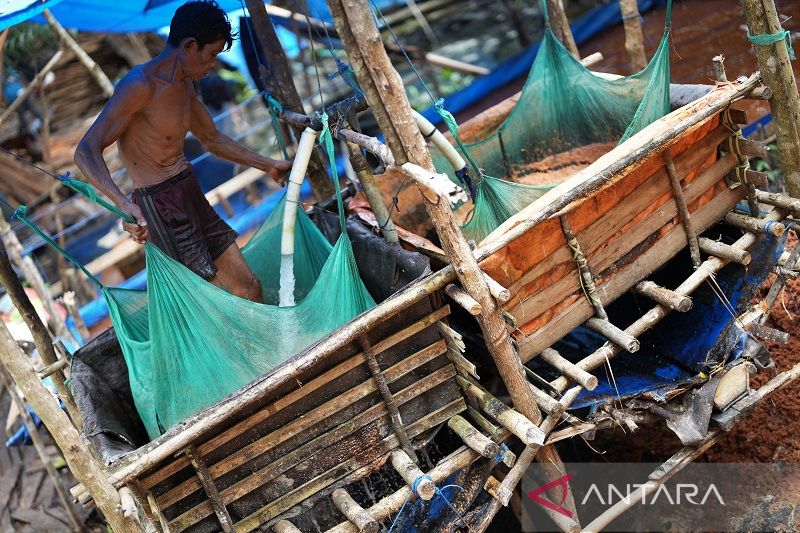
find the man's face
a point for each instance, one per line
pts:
(199, 60)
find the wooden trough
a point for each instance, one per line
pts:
(369, 395)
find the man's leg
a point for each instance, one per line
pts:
(235, 275)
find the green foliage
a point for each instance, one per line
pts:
(29, 46)
(770, 165)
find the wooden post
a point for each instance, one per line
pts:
(67, 40)
(33, 431)
(634, 40)
(280, 83)
(41, 337)
(33, 276)
(79, 459)
(386, 96)
(777, 74)
(560, 26)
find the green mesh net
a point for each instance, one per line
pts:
(189, 344)
(562, 106)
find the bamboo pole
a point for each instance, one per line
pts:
(777, 73)
(41, 337)
(371, 191)
(473, 438)
(277, 76)
(560, 26)
(67, 40)
(33, 431)
(79, 459)
(354, 512)
(634, 39)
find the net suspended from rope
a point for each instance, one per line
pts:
(563, 105)
(188, 343)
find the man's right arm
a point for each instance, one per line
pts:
(130, 96)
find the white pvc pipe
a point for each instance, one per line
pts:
(429, 131)
(298, 173)
(295, 182)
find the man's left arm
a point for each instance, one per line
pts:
(221, 145)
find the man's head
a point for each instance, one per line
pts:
(199, 31)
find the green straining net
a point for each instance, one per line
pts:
(188, 343)
(562, 106)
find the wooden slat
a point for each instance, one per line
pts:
(319, 445)
(288, 399)
(282, 434)
(646, 264)
(603, 258)
(635, 203)
(313, 486)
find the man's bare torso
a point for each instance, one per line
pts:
(151, 146)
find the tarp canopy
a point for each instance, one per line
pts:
(99, 15)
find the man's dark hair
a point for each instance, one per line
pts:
(203, 20)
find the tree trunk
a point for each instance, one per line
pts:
(280, 83)
(777, 74)
(634, 40)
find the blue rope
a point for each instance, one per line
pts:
(767, 227)
(439, 492)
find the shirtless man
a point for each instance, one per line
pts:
(148, 116)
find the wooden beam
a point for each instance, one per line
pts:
(776, 70)
(354, 512)
(80, 460)
(94, 69)
(664, 296)
(725, 251)
(463, 299)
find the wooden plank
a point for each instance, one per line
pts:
(533, 307)
(294, 396)
(271, 472)
(625, 201)
(282, 434)
(313, 486)
(30, 488)
(646, 264)
(8, 483)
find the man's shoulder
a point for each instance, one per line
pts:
(136, 82)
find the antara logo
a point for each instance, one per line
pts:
(685, 493)
(537, 496)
